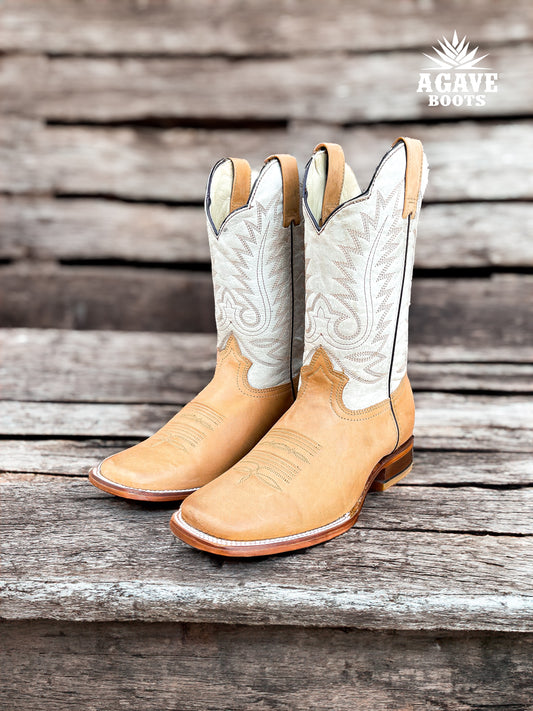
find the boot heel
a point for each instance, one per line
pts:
(394, 467)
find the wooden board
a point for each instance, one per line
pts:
(33, 460)
(450, 235)
(106, 366)
(444, 311)
(77, 229)
(417, 578)
(66, 457)
(112, 116)
(444, 421)
(173, 164)
(122, 298)
(54, 665)
(198, 27)
(334, 87)
(445, 508)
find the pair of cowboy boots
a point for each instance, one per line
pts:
(310, 406)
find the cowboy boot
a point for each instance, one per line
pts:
(351, 428)
(257, 258)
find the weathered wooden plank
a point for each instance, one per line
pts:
(104, 366)
(375, 579)
(173, 164)
(485, 377)
(50, 457)
(493, 469)
(85, 420)
(34, 459)
(332, 84)
(444, 311)
(157, 164)
(450, 235)
(203, 28)
(444, 421)
(122, 298)
(459, 311)
(466, 422)
(109, 366)
(201, 667)
(470, 235)
(44, 228)
(464, 509)
(455, 510)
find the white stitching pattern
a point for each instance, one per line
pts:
(281, 539)
(134, 488)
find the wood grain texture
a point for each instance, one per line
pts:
(203, 27)
(444, 421)
(31, 460)
(324, 86)
(174, 164)
(121, 298)
(464, 509)
(450, 235)
(45, 228)
(447, 312)
(109, 366)
(65, 457)
(196, 667)
(427, 602)
(382, 579)
(470, 235)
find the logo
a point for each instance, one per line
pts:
(455, 77)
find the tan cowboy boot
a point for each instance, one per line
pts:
(257, 256)
(350, 429)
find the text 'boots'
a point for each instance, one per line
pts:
(350, 429)
(257, 256)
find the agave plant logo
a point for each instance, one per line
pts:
(455, 55)
(459, 81)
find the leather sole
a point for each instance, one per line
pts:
(127, 492)
(390, 470)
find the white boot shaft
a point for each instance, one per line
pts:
(359, 263)
(258, 269)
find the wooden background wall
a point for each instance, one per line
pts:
(112, 113)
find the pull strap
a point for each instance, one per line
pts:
(334, 180)
(242, 183)
(291, 187)
(413, 174)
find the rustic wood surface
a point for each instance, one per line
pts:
(462, 422)
(353, 670)
(109, 366)
(477, 510)
(444, 311)
(94, 89)
(88, 230)
(390, 572)
(469, 160)
(112, 115)
(21, 458)
(204, 27)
